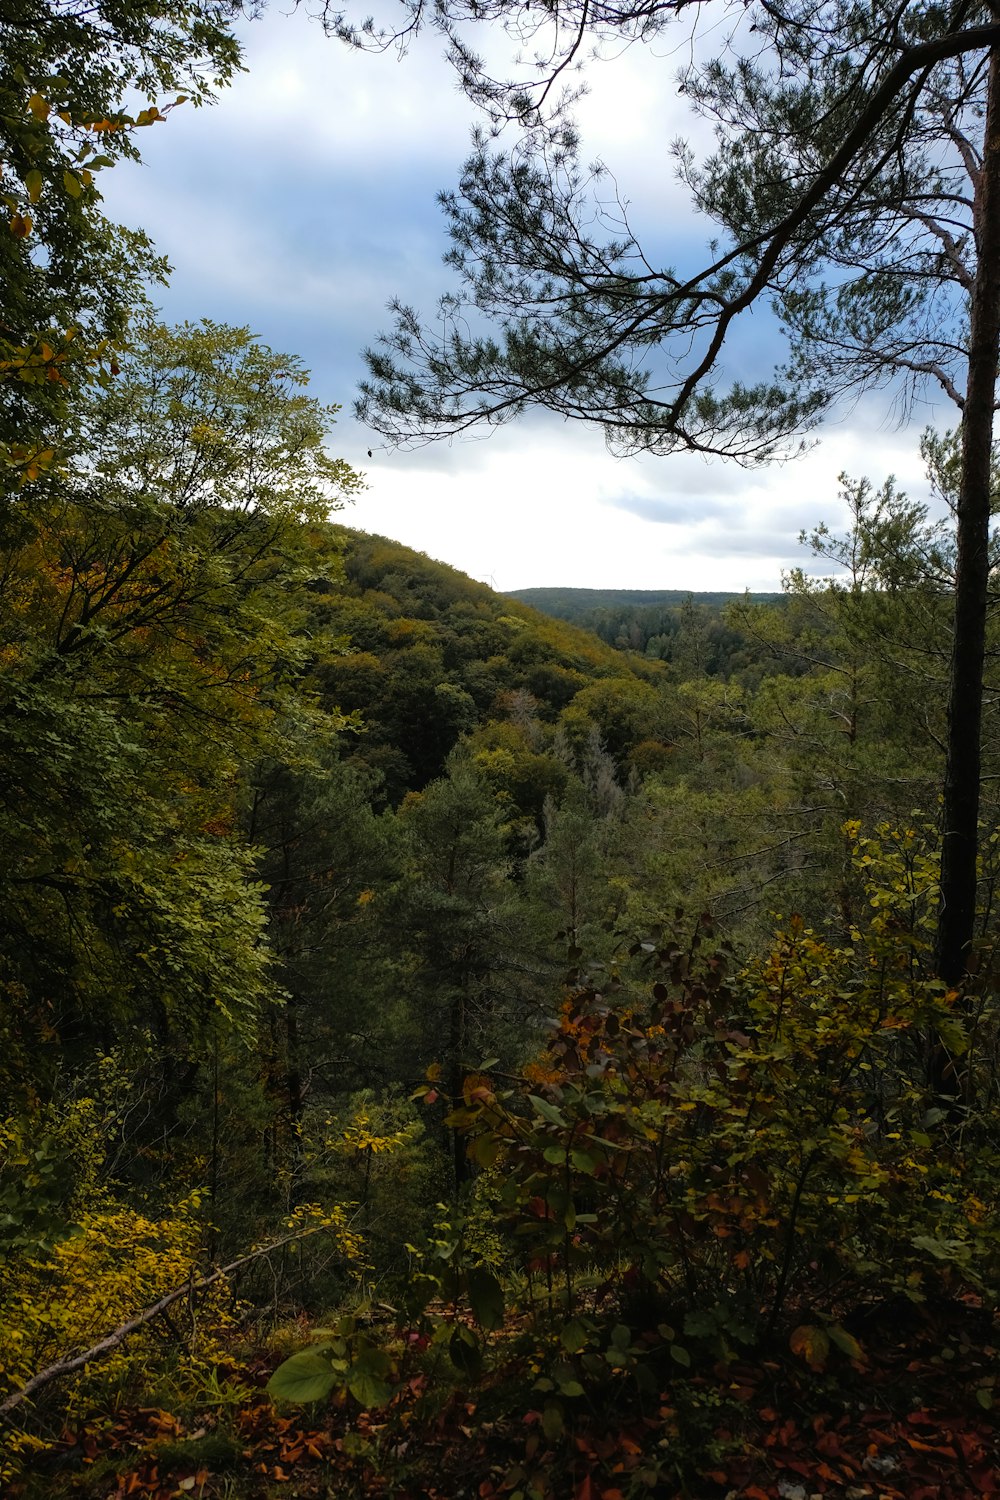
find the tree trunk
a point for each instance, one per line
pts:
(457, 1024)
(960, 839)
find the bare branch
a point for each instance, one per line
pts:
(113, 1341)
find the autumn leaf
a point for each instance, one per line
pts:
(812, 1343)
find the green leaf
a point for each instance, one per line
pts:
(485, 1297)
(548, 1111)
(570, 1386)
(72, 184)
(464, 1352)
(701, 1325)
(583, 1162)
(845, 1342)
(952, 1033)
(949, 1250)
(680, 1354)
(366, 1378)
(573, 1336)
(552, 1423)
(307, 1376)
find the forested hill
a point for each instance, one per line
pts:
(425, 654)
(652, 621)
(579, 604)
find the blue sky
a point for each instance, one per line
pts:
(305, 199)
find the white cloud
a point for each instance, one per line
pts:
(303, 201)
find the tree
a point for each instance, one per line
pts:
(857, 181)
(460, 920)
(147, 635)
(68, 75)
(322, 855)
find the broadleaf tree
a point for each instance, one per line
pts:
(78, 85)
(855, 179)
(149, 642)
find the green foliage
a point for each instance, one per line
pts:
(432, 655)
(35, 1185)
(144, 635)
(731, 1151)
(71, 104)
(349, 1361)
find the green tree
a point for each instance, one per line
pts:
(460, 921)
(68, 77)
(146, 631)
(327, 861)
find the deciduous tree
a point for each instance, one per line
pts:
(77, 82)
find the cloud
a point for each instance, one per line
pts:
(306, 199)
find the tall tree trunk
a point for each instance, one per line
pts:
(957, 917)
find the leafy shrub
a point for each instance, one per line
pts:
(737, 1149)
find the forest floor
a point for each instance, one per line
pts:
(914, 1421)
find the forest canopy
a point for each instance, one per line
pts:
(442, 1045)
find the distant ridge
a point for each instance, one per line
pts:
(570, 604)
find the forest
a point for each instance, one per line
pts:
(447, 1049)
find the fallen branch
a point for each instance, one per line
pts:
(114, 1340)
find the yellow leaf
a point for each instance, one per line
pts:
(33, 182)
(812, 1343)
(20, 226)
(72, 184)
(39, 107)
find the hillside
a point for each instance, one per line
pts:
(579, 604)
(425, 655)
(693, 632)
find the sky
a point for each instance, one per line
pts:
(304, 200)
